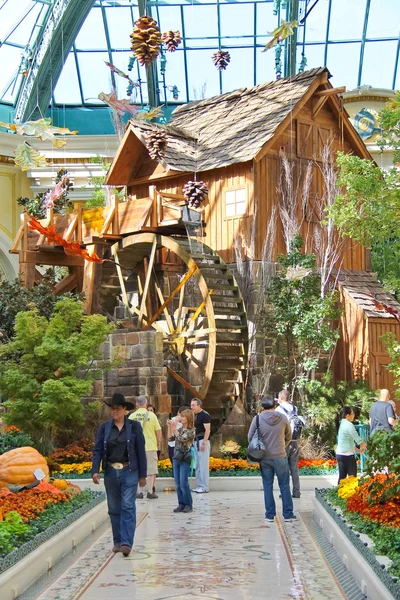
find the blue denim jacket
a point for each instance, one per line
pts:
(135, 445)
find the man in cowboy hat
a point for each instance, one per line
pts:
(120, 446)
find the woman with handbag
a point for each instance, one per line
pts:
(184, 438)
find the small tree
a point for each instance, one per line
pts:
(302, 319)
(48, 367)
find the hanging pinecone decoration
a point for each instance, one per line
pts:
(195, 193)
(171, 39)
(146, 40)
(156, 143)
(221, 59)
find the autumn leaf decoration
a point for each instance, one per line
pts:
(27, 157)
(285, 30)
(71, 248)
(42, 129)
(378, 305)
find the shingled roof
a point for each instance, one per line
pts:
(360, 285)
(229, 128)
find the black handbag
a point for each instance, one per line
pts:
(256, 448)
(183, 454)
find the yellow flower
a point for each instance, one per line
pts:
(230, 447)
(348, 487)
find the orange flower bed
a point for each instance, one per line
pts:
(29, 503)
(317, 462)
(386, 513)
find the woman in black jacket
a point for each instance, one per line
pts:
(120, 446)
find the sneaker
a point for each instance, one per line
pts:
(295, 496)
(201, 491)
(117, 548)
(151, 496)
(187, 509)
(270, 520)
(179, 508)
(197, 490)
(290, 518)
(139, 496)
(126, 550)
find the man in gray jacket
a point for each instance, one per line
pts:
(276, 434)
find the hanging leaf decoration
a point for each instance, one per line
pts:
(71, 248)
(285, 30)
(42, 129)
(55, 194)
(117, 71)
(143, 115)
(27, 157)
(297, 273)
(121, 106)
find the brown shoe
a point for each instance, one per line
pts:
(117, 548)
(151, 496)
(126, 550)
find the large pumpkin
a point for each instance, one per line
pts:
(18, 466)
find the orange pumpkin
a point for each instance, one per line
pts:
(60, 484)
(18, 466)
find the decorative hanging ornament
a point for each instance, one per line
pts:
(171, 39)
(156, 143)
(195, 193)
(221, 59)
(146, 40)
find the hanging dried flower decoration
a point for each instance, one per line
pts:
(156, 143)
(195, 193)
(221, 59)
(146, 40)
(171, 40)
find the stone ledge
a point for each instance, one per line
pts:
(24, 573)
(375, 583)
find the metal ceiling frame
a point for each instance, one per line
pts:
(63, 19)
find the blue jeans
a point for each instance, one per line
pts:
(269, 467)
(121, 486)
(181, 476)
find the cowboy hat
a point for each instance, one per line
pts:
(118, 399)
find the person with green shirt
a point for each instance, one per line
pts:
(152, 435)
(347, 437)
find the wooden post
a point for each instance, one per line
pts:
(92, 280)
(154, 212)
(115, 222)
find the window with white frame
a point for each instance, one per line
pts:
(235, 202)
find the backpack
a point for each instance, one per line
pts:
(296, 422)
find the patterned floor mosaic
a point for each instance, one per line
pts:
(221, 551)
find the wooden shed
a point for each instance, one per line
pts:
(360, 353)
(233, 142)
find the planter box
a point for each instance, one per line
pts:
(26, 571)
(375, 582)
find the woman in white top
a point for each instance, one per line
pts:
(347, 437)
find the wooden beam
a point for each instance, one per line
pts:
(155, 325)
(330, 92)
(146, 214)
(166, 313)
(121, 282)
(185, 384)
(57, 258)
(67, 284)
(147, 282)
(179, 315)
(26, 274)
(168, 300)
(108, 221)
(91, 281)
(317, 106)
(18, 238)
(71, 228)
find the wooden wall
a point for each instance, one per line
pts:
(301, 141)
(360, 353)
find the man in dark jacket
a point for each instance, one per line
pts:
(120, 446)
(276, 435)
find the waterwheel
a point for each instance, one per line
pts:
(183, 289)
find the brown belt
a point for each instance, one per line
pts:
(118, 465)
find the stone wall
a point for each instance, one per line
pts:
(141, 371)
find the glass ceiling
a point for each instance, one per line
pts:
(358, 40)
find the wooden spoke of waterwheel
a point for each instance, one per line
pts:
(198, 308)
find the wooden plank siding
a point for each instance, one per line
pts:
(379, 376)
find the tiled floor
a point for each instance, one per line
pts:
(221, 551)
